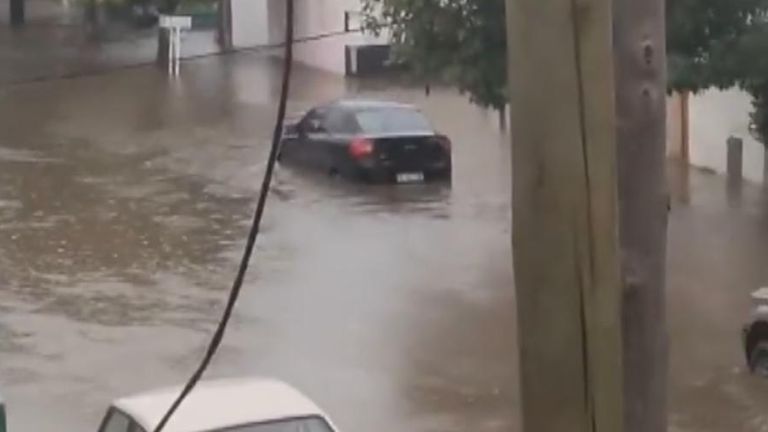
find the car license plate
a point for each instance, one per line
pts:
(414, 177)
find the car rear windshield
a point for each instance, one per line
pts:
(392, 121)
(306, 424)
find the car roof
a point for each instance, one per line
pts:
(217, 404)
(362, 104)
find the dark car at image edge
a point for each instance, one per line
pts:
(755, 334)
(373, 141)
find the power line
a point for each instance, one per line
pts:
(237, 285)
(112, 69)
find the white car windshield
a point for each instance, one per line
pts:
(307, 424)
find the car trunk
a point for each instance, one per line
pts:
(410, 153)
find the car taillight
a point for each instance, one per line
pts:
(360, 148)
(444, 142)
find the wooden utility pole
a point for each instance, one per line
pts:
(592, 337)
(565, 232)
(640, 48)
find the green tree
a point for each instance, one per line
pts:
(462, 42)
(702, 38)
(745, 60)
(710, 43)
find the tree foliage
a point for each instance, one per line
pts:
(705, 41)
(710, 43)
(462, 42)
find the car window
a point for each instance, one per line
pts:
(304, 424)
(392, 120)
(116, 422)
(314, 122)
(341, 122)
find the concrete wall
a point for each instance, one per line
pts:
(714, 116)
(250, 24)
(263, 21)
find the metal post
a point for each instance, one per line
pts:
(178, 51)
(171, 43)
(735, 159)
(170, 38)
(17, 12)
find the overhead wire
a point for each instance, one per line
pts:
(250, 244)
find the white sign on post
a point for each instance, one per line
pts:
(174, 24)
(176, 21)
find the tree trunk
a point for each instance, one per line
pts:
(93, 12)
(639, 40)
(163, 45)
(224, 28)
(565, 234)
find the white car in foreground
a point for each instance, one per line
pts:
(232, 405)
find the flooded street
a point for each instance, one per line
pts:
(125, 199)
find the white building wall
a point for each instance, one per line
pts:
(714, 116)
(250, 25)
(263, 21)
(315, 17)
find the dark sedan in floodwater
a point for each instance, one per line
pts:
(368, 140)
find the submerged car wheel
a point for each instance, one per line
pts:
(758, 359)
